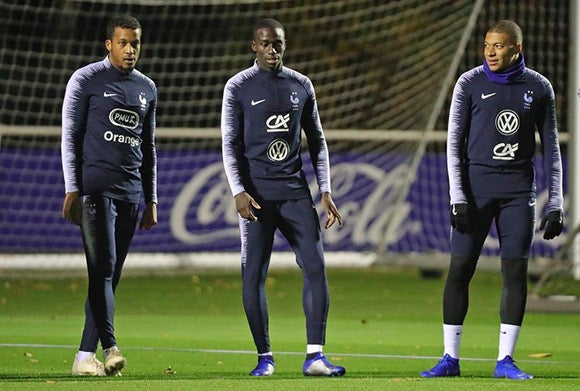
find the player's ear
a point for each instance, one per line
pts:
(253, 46)
(108, 44)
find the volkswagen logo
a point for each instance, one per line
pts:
(507, 122)
(278, 150)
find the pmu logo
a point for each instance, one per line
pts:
(278, 123)
(507, 122)
(124, 118)
(505, 151)
(278, 150)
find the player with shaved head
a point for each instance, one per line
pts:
(264, 110)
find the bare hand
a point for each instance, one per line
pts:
(331, 210)
(72, 208)
(244, 205)
(149, 218)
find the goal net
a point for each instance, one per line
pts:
(382, 73)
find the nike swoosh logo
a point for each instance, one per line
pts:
(485, 96)
(107, 94)
(257, 102)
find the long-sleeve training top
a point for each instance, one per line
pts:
(491, 138)
(263, 113)
(108, 133)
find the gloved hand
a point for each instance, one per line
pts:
(460, 218)
(554, 222)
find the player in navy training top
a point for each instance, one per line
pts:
(265, 107)
(109, 163)
(495, 112)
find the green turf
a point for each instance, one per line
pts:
(189, 332)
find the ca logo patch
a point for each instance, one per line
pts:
(505, 151)
(278, 123)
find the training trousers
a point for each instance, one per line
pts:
(298, 222)
(515, 223)
(108, 226)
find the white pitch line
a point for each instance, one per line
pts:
(224, 351)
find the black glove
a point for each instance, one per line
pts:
(460, 218)
(554, 222)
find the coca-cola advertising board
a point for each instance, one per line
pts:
(197, 211)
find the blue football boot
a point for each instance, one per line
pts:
(320, 366)
(447, 366)
(507, 369)
(265, 366)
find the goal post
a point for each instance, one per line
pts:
(574, 123)
(420, 149)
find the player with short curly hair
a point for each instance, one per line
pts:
(109, 162)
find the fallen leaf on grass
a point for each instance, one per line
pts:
(540, 355)
(169, 371)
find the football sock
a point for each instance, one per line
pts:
(452, 339)
(508, 336)
(82, 355)
(312, 348)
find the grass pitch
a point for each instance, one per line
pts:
(189, 331)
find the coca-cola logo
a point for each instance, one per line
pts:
(366, 214)
(213, 205)
(366, 196)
